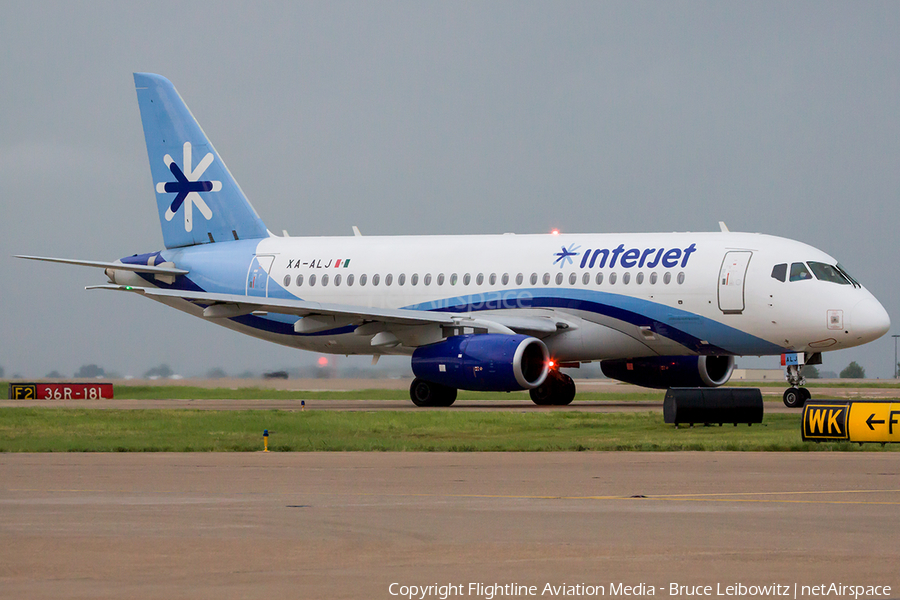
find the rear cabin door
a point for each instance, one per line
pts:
(732, 276)
(258, 275)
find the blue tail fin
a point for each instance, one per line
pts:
(198, 200)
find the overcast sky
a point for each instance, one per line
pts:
(450, 117)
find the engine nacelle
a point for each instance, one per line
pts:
(671, 371)
(489, 362)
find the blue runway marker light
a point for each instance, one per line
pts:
(302, 404)
(265, 440)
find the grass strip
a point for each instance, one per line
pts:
(85, 430)
(177, 392)
(184, 392)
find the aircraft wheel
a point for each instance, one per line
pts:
(565, 391)
(557, 390)
(542, 395)
(795, 397)
(426, 393)
(446, 397)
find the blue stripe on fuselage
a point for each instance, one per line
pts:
(686, 328)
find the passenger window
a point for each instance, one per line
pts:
(427, 279)
(467, 279)
(653, 278)
(362, 279)
(401, 279)
(681, 278)
(337, 279)
(350, 279)
(287, 281)
(376, 278)
(573, 279)
(299, 280)
(534, 279)
(612, 279)
(519, 279)
(387, 279)
(325, 279)
(312, 280)
(799, 272)
(440, 279)
(667, 278)
(640, 278)
(453, 279)
(493, 279)
(546, 278)
(505, 279)
(586, 278)
(779, 272)
(479, 279)
(414, 279)
(599, 278)
(626, 277)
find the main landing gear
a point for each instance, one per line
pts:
(795, 396)
(558, 389)
(426, 393)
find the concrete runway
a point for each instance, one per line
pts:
(348, 525)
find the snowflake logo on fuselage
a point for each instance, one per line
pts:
(187, 187)
(565, 257)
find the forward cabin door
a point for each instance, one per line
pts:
(732, 276)
(258, 275)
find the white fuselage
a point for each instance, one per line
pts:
(608, 295)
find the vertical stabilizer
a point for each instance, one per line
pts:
(198, 200)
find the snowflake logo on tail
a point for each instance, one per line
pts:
(187, 187)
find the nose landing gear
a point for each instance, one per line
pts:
(795, 396)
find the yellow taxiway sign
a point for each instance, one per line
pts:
(853, 421)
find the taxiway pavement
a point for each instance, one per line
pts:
(348, 525)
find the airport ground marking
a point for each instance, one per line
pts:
(714, 497)
(718, 497)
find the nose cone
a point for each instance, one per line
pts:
(869, 320)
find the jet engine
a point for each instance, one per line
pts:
(671, 371)
(492, 362)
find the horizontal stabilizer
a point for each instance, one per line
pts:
(119, 266)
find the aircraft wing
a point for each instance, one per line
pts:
(300, 308)
(323, 315)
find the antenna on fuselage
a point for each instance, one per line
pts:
(356, 231)
(723, 227)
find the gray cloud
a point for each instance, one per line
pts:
(438, 118)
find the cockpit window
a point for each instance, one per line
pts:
(779, 272)
(825, 272)
(844, 272)
(799, 272)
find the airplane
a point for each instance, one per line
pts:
(485, 312)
